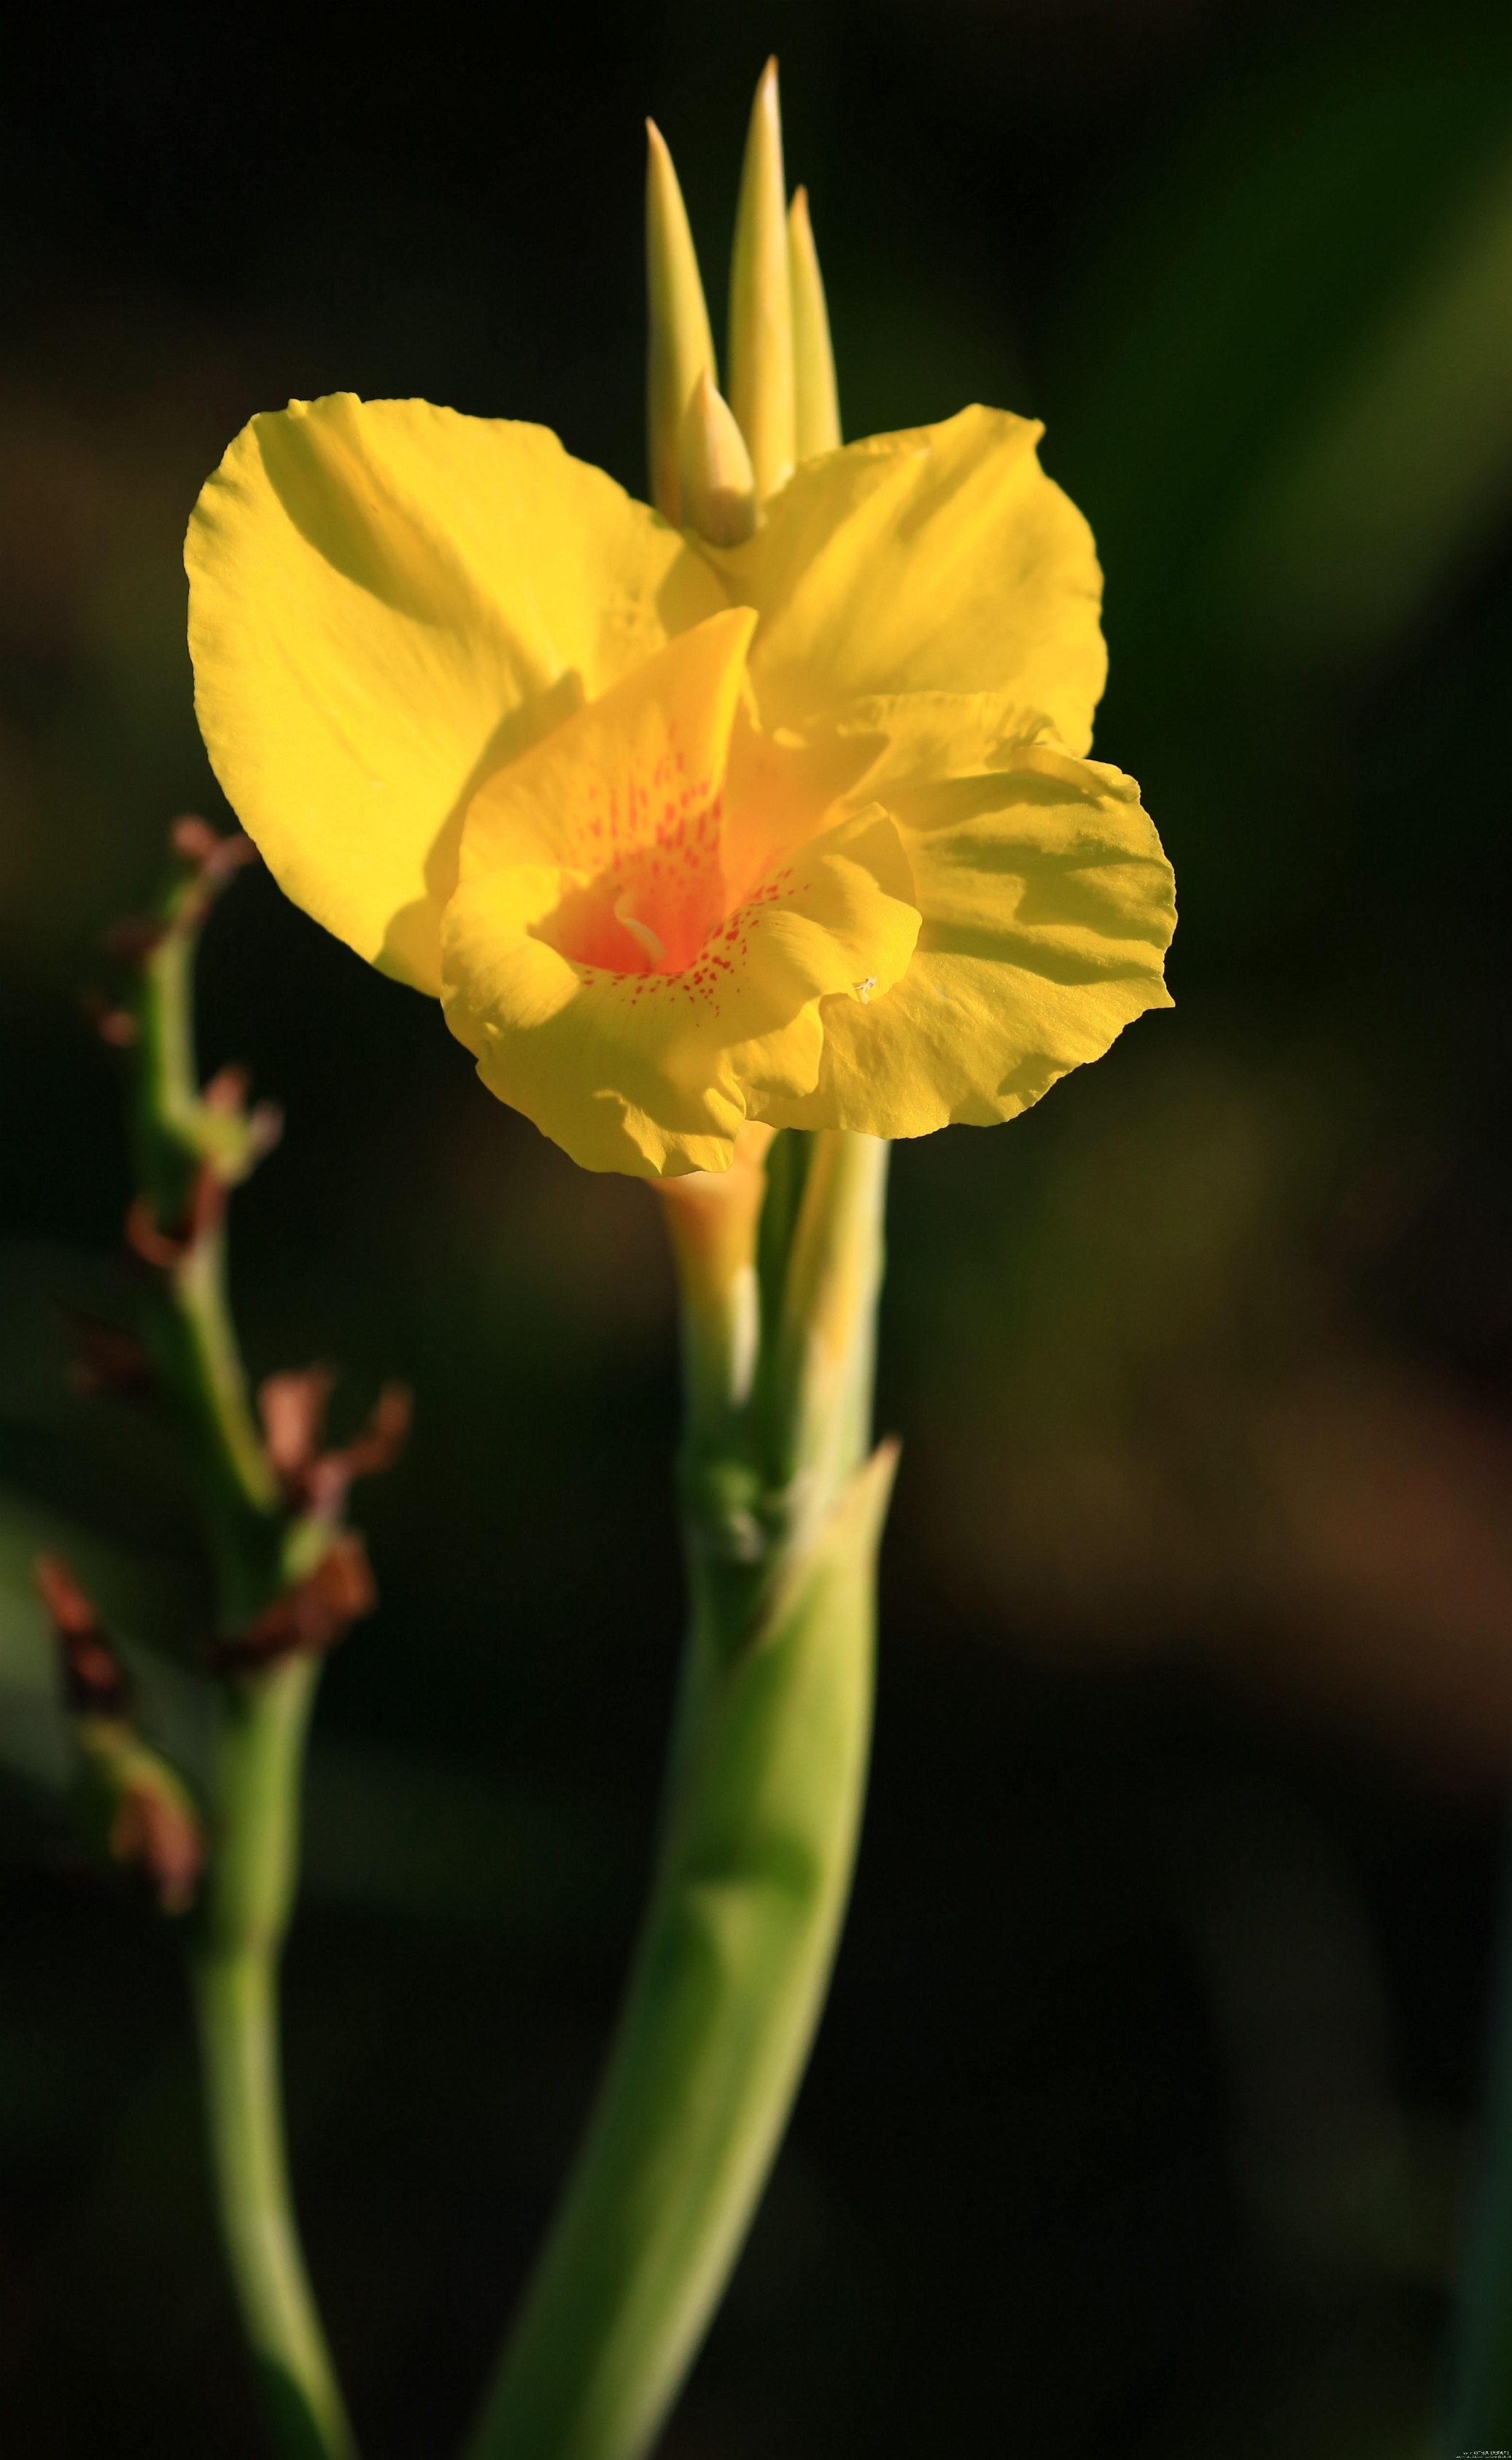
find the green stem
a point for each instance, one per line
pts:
(178, 1136)
(245, 1917)
(764, 1808)
(189, 1152)
(199, 1350)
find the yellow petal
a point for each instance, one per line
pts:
(940, 559)
(1047, 907)
(652, 1066)
(386, 601)
(638, 768)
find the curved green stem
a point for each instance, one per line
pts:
(191, 1149)
(250, 1894)
(764, 1792)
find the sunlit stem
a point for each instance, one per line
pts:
(761, 332)
(762, 1809)
(679, 346)
(240, 1934)
(712, 1220)
(816, 393)
(826, 1343)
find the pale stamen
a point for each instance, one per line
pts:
(639, 930)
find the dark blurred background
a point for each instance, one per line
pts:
(1141, 2114)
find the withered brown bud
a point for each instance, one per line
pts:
(227, 1089)
(217, 857)
(293, 1407)
(154, 1829)
(309, 1618)
(293, 1410)
(93, 1682)
(115, 1025)
(205, 1212)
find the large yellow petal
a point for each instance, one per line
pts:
(654, 1072)
(387, 600)
(1048, 908)
(627, 771)
(937, 558)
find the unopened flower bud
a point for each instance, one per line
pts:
(761, 333)
(716, 484)
(816, 398)
(680, 344)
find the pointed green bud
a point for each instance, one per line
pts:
(761, 338)
(680, 345)
(714, 472)
(817, 402)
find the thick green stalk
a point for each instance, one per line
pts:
(763, 1805)
(242, 1922)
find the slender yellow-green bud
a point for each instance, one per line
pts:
(680, 345)
(815, 397)
(714, 472)
(760, 334)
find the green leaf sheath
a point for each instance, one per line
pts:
(765, 1793)
(722, 2006)
(250, 1892)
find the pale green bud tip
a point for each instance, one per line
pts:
(717, 487)
(680, 343)
(817, 400)
(761, 339)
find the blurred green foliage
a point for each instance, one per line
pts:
(1140, 2112)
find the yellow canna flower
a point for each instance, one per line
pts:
(800, 830)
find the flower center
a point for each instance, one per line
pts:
(652, 908)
